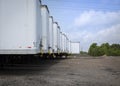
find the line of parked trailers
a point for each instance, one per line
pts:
(26, 28)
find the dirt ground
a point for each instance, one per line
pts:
(75, 71)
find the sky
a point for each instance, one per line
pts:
(87, 21)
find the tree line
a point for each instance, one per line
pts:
(104, 49)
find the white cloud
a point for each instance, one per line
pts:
(108, 24)
(111, 35)
(94, 18)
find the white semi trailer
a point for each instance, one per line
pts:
(69, 46)
(20, 26)
(26, 29)
(65, 46)
(61, 44)
(58, 40)
(75, 47)
(45, 29)
(50, 35)
(55, 28)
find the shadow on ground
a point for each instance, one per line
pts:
(34, 66)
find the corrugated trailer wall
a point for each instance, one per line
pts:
(34, 32)
(69, 47)
(58, 39)
(55, 28)
(75, 47)
(20, 24)
(50, 32)
(45, 28)
(67, 44)
(63, 43)
(61, 50)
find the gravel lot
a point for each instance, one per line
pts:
(75, 71)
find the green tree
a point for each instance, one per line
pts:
(114, 50)
(104, 49)
(92, 49)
